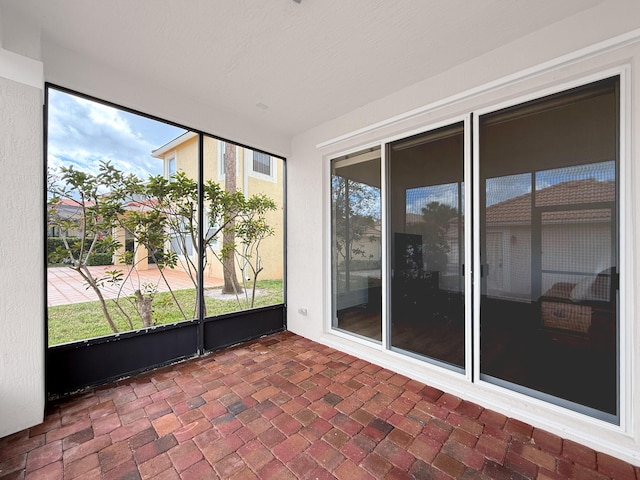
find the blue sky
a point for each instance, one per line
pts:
(504, 188)
(82, 132)
(501, 189)
(420, 197)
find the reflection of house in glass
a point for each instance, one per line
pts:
(565, 237)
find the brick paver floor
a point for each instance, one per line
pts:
(284, 407)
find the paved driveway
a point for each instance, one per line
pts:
(65, 285)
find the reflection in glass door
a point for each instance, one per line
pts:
(541, 316)
(356, 244)
(426, 179)
(548, 183)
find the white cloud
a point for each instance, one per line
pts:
(420, 197)
(82, 132)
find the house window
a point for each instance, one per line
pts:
(262, 163)
(502, 267)
(221, 152)
(171, 166)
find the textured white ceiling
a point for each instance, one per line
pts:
(307, 62)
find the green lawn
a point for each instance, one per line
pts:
(79, 321)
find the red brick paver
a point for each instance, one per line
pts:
(284, 407)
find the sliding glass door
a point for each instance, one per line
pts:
(532, 219)
(548, 183)
(426, 184)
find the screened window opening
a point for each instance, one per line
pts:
(143, 232)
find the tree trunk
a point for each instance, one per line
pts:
(86, 274)
(231, 284)
(144, 303)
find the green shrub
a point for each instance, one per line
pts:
(102, 254)
(100, 259)
(56, 249)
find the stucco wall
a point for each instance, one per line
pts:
(560, 53)
(21, 245)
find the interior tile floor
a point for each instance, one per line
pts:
(284, 407)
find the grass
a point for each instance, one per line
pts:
(80, 321)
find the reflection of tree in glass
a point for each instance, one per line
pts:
(356, 213)
(435, 224)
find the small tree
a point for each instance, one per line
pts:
(155, 212)
(250, 229)
(149, 231)
(95, 205)
(92, 217)
(176, 200)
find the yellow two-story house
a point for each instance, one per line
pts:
(256, 173)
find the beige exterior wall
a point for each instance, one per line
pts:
(186, 157)
(272, 248)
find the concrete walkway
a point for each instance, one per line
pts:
(66, 286)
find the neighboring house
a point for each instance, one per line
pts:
(571, 227)
(256, 173)
(579, 235)
(65, 209)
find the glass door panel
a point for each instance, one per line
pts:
(548, 183)
(356, 244)
(426, 181)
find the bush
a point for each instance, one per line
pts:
(53, 243)
(57, 243)
(100, 259)
(102, 254)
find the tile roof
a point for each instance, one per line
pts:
(518, 209)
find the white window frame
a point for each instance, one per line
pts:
(220, 155)
(173, 157)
